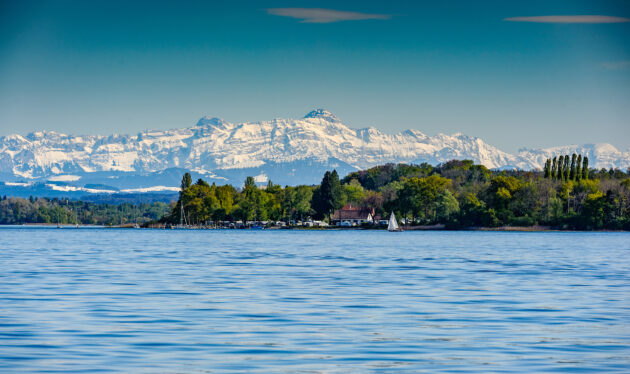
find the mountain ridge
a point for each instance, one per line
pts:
(220, 150)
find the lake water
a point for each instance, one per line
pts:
(171, 301)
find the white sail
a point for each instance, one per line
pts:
(393, 224)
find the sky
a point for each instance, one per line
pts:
(515, 73)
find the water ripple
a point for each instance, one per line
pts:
(146, 301)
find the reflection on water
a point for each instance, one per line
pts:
(289, 301)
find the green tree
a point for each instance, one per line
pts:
(565, 168)
(419, 195)
(547, 169)
(353, 192)
(264, 205)
(592, 216)
(560, 175)
(554, 168)
(555, 210)
(336, 190)
(199, 202)
(302, 201)
(578, 168)
(585, 167)
(391, 198)
(473, 213)
(296, 202)
(248, 204)
(579, 192)
(186, 181)
(273, 188)
(249, 186)
(225, 195)
(328, 196)
(446, 206)
(572, 173)
(201, 182)
(408, 198)
(499, 195)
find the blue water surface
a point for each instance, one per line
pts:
(275, 301)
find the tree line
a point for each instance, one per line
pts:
(459, 194)
(14, 211)
(559, 168)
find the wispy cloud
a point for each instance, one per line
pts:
(569, 19)
(318, 15)
(616, 65)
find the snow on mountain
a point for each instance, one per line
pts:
(288, 151)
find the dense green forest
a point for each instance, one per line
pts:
(42, 210)
(459, 194)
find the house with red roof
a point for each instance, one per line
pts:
(352, 216)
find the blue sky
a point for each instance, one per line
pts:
(98, 67)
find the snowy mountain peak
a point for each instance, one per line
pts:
(287, 151)
(416, 134)
(213, 121)
(604, 147)
(323, 114)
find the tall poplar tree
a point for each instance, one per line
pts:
(560, 166)
(578, 168)
(585, 167)
(547, 168)
(572, 173)
(565, 168)
(554, 168)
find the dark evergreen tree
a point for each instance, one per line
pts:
(186, 181)
(321, 197)
(578, 168)
(554, 168)
(572, 173)
(329, 195)
(585, 167)
(565, 168)
(337, 190)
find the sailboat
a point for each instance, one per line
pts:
(182, 218)
(393, 223)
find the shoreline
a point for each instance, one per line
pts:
(329, 228)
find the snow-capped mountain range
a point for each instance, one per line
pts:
(287, 151)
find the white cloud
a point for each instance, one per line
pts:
(616, 65)
(318, 15)
(569, 19)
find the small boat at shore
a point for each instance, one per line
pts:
(393, 224)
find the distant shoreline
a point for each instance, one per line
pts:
(330, 228)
